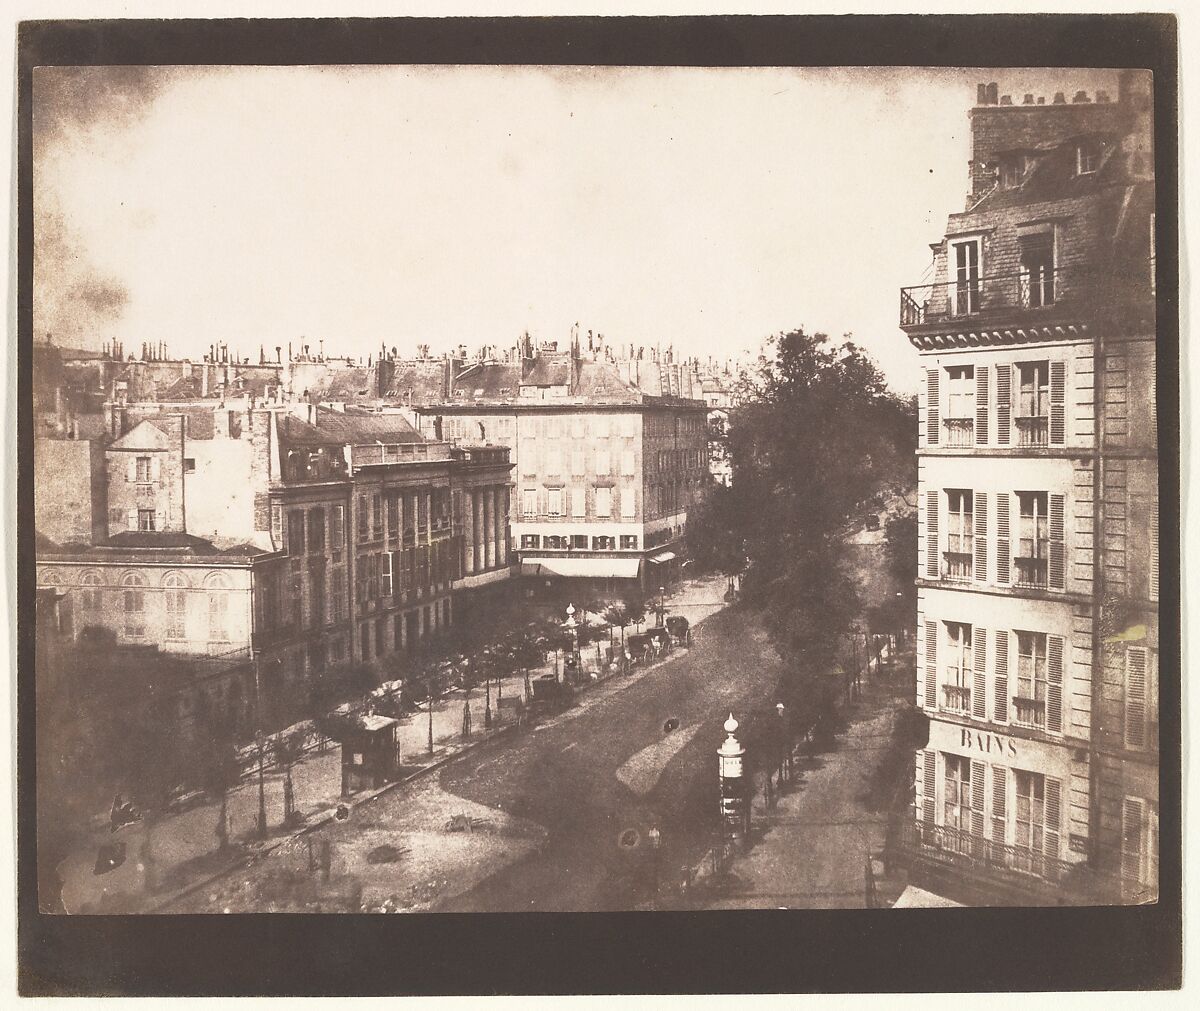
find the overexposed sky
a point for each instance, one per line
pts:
(700, 208)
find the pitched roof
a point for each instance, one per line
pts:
(350, 428)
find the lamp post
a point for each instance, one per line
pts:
(573, 635)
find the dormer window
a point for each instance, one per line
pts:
(1087, 157)
(1012, 171)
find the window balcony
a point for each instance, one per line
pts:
(1030, 712)
(1028, 291)
(959, 432)
(970, 852)
(1032, 431)
(1030, 571)
(957, 698)
(959, 565)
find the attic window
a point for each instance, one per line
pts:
(189, 465)
(1087, 157)
(1012, 171)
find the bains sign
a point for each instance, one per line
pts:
(990, 744)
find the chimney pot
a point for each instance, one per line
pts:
(1060, 98)
(1028, 100)
(1041, 100)
(993, 90)
(1006, 99)
(981, 94)
(1081, 96)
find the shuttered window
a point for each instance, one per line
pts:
(1058, 391)
(1000, 693)
(956, 793)
(979, 693)
(1003, 405)
(529, 502)
(1057, 546)
(1032, 680)
(932, 567)
(1135, 696)
(1053, 817)
(999, 804)
(956, 690)
(981, 406)
(604, 502)
(1054, 683)
(929, 786)
(981, 530)
(932, 406)
(931, 675)
(1003, 541)
(978, 770)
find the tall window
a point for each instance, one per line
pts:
(376, 516)
(143, 470)
(604, 502)
(1087, 157)
(961, 390)
(316, 531)
(554, 501)
(361, 525)
(337, 608)
(393, 517)
(146, 520)
(134, 601)
(529, 502)
(603, 463)
(960, 543)
(554, 461)
(578, 502)
(1030, 701)
(1033, 402)
(628, 503)
(1031, 563)
(965, 264)
(1031, 811)
(337, 531)
(959, 668)
(175, 586)
(296, 532)
(957, 793)
(627, 463)
(316, 587)
(92, 596)
(218, 607)
(1037, 270)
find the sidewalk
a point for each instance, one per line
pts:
(811, 851)
(183, 850)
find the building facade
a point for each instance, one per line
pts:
(1037, 657)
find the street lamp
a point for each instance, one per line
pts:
(662, 604)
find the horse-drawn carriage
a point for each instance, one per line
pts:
(679, 629)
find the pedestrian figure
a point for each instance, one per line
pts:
(466, 720)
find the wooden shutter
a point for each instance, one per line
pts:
(1057, 565)
(979, 685)
(1003, 544)
(131, 469)
(1135, 697)
(1132, 816)
(1053, 817)
(1058, 407)
(929, 784)
(977, 774)
(1054, 683)
(931, 675)
(981, 405)
(1003, 405)
(932, 413)
(1000, 696)
(1154, 550)
(981, 528)
(999, 803)
(932, 562)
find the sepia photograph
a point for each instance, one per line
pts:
(542, 488)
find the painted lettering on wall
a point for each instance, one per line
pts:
(991, 744)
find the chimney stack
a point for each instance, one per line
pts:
(1060, 98)
(1028, 100)
(1081, 97)
(993, 91)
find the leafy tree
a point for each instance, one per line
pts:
(617, 616)
(286, 750)
(219, 772)
(900, 548)
(635, 609)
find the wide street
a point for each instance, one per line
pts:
(599, 777)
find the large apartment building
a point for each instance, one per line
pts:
(604, 473)
(1037, 659)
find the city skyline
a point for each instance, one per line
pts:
(607, 186)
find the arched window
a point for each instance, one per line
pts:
(133, 598)
(91, 594)
(217, 584)
(175, 587)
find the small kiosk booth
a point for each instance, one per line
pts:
(369, 757)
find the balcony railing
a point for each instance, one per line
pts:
(380, 454)
(976, 853)
(1024, 291)
(957, 698)
(959, 431)
(959, 564)
(1030, 712)
(1032, 431)
(1030, 571)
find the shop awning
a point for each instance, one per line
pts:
(918, 898)
(583, 568)
(662, 557)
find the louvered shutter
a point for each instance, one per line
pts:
(932, 407)
(1003, 544)
(1000, 697)
(979, 687)
(929, 783)
(1154, 550)
(981, 529)
(931, 675)
(981, 405)
(1135, 697)
(1131, 839)
(131, 469)
(999, 804)
(1003, 404)
(1053, 817)
(932, 566)
(977, 774)
(1057, 552)
(131, 519)
(1058, 407)
(1054, 683)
